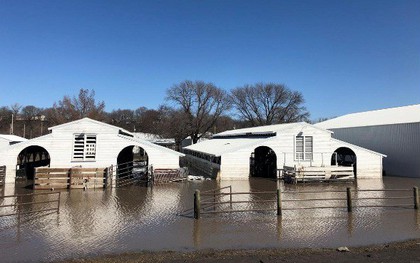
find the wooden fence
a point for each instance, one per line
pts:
(29, 203)
(74, 178)
(317, 174)
(167, 175)
(2, 174)
(214, 201)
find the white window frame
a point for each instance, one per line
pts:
(304, 155)
(84, 147)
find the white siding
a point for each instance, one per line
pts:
(400, 142)
(369, 164)
(236, 165)
(59, 145)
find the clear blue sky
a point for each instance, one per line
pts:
(344, 56)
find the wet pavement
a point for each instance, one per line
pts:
(136, 218)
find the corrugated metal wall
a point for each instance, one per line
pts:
(400, 142)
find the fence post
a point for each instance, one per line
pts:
(349, 206)
(197, 206)
(214, 199)
(278, 202)
(58, 202)
(230, 188)
(416, 197)
(18, 209)
(153, 175)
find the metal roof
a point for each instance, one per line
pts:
(258, 130)
(86, 119)
(223, 143)
(218, 147)
(398, 115)
(12, 138)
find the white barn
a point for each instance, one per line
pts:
(8, 139)
(83, 143)
(393, 131)
(261, 151)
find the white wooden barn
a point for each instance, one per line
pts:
(83, 143)
(8, 139)
(393, 131)
(263, 151)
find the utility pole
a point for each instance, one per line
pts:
(11, 126)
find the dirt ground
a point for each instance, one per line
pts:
(407, 251)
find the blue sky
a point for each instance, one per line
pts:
(344, 56)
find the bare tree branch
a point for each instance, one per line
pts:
(265, 104)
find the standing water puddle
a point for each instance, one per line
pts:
(136, 218)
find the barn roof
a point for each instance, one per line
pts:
(398, 115)
(150, 144)
(233, 140)
(12, 138)
(218, 147)
(357, 146)
(91, 121)
(264, 130)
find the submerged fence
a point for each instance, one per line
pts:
(20, 204)
(2, 174)
(64, 178)
(213, 200)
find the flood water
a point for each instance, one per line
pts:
(136, 218)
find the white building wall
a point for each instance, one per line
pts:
(368, 164)
(400, 142)
(3, 144)
(109, 144)
(236, 165)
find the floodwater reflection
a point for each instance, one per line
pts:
(136, 218)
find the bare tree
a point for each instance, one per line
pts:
(86, 106)
(70, 109)
(31, 116)
(171, 125)
(201, 103)
(123, 118)
(5, 119)
(266, 104)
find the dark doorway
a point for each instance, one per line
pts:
(30, 158)
(263, 163)
(132, 161)
(344, 156)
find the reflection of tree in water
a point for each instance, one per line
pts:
(131, 200)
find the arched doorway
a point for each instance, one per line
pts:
(132, 162)
(30, 158)
(344, 156)
(263, 162)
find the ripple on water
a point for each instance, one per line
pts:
(137, 218)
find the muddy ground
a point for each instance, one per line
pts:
(407, 251)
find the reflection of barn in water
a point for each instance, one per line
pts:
(85, 143)
(264, 151)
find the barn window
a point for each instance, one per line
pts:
(84, 147)
(304, 148)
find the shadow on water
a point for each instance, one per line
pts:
(138, 218)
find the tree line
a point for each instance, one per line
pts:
(191, 108)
